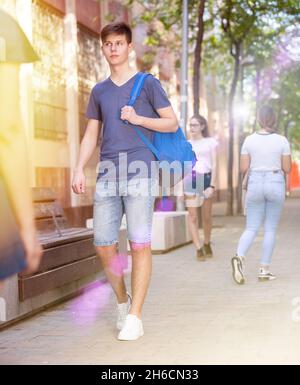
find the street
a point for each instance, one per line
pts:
(194, 313)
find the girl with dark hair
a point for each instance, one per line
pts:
(203, 177)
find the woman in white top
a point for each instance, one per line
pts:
(266, 156)
(201, 184)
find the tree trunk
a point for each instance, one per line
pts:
(230, 196)
(286, 130)
(197, 56)
(279, 114)
(240, 140)
(257, 97)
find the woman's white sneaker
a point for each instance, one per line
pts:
(265, 275)
(132, 330)
(238, 270)
(123, 310)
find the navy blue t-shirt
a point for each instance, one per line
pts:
(105, 103)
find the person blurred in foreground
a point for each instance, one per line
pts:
(19, 247)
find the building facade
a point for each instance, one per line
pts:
(54, 92)
(55, 89)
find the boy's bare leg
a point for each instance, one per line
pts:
(113, 267)
(140, 276)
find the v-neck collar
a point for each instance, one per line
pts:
(124, 84)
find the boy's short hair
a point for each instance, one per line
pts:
(117, 28)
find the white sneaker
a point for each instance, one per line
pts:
(132, 330)
(238, 270)
(265, 275)
(123, 309)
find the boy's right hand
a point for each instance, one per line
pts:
(79, 182)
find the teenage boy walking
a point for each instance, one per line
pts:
(120, 147)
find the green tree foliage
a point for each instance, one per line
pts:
(252, 49)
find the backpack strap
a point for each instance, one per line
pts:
(147, 142)
(137, 87)
(135, 93)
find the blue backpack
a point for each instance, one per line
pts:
(167, 147)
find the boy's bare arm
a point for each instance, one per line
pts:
(166, 123)
(87, 148)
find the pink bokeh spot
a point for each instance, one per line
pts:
(283, 60)
(140, 246)
(85, 309)
(118, 264)
(165, 204)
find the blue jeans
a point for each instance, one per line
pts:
(265, 200)
(112, 199)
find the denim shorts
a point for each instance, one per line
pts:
(134, 198)
(196, 183)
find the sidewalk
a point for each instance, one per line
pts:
(194, 314)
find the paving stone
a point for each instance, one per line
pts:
(194, 314)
